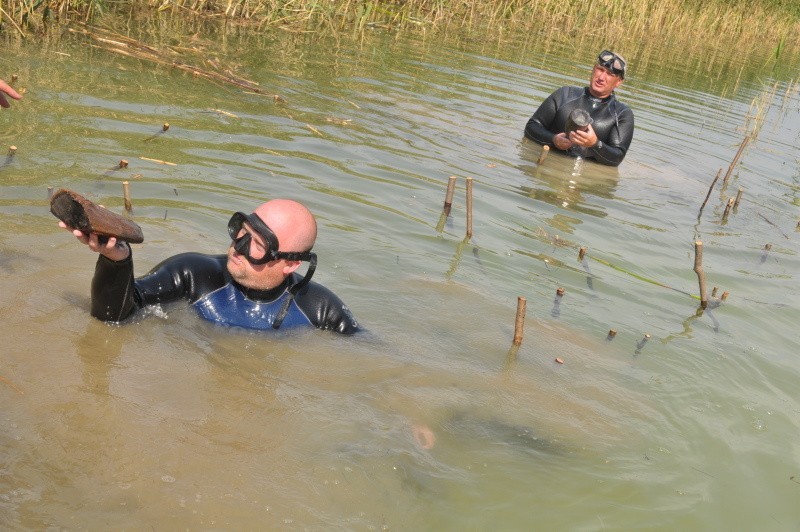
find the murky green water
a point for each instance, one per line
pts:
(169, 422)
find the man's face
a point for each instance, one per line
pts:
(256, 276)
(603, 82)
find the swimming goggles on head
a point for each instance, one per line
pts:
(612, 62)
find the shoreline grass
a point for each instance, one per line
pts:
(735, 22)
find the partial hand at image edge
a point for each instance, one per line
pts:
(80, 213)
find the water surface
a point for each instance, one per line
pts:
(170, 422)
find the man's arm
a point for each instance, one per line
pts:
(326, 310)
(541, 125)
(538, 126)
(613, 151)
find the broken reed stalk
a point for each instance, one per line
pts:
(708, 195)
(448, 198)
(735, 160)
(701, 275)
(469, 207)
(519, 323)
(727, 211)
(127, 195)
(545, 151)
(738, 198)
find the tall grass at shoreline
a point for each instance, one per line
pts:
(739, 24)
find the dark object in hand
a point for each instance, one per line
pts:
(80, 213)
(578, 120)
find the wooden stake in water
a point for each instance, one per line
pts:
(469, 207)
(519, 323)
(165, 126)
(611, 334)
(448, 198)
(127, 195)
(12, 150)
(545, 151)
(123, 163)
(701, 275)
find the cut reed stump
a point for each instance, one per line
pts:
(519, 322)
(448, 198)
(545, 151)
(701, 276)
(738, 198)
(448, 203)
(727, 211)
(126, 192)
(469, 207)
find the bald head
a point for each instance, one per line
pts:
(292, 223)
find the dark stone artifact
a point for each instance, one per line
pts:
(80, 213)
(578, 120)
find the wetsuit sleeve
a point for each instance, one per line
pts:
(612, 150)
(112, 289)
(538, 126)
(116, 295)
(326, 310)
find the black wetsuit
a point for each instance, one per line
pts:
(204, 281)
(612, 122)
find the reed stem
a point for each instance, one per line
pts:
(701, 276)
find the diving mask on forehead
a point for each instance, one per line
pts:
(613, 62)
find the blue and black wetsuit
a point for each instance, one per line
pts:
(612, 121)
(204, 281)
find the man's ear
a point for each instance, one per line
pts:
(291, 266)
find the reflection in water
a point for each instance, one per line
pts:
(566, 182)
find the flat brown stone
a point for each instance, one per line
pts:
(83, 214)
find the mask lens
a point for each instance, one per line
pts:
(244, 243)
(611, 61)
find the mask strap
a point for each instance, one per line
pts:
(294, 289)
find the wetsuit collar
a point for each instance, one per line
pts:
(268, 295)
(589, 94)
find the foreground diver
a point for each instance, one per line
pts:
(607, 138)
(254, 285)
